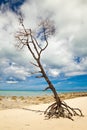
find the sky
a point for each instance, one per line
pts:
(64, 60)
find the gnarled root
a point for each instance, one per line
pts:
(63, 110)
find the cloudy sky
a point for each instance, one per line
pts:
(65, 59)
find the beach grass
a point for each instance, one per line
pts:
(19, 101)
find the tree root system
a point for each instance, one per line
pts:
(62, 110)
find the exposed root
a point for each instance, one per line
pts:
(63, 110)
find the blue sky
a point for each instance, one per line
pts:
(65, 59)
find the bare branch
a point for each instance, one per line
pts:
(34, 64)
(21, 22)
(35, 47)
(37, 72)
(46, 88)
(41, 76)
(37, 43)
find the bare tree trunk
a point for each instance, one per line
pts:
(57, 99)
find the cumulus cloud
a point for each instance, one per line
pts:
(9, 69)
(70, 40)
(18, 72)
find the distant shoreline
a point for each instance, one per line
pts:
(37, 92)
(9, 102)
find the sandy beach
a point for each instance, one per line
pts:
(31, 117)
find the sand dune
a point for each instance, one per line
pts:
(30, 119)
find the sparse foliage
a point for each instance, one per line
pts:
(25, 37)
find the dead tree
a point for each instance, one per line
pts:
(26, 37)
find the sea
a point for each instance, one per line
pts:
(35, 92)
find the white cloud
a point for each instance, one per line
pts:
(10, 69)
(53, 72)
(16, 71)
(70, 40)
(11, 82)
(76, 73)
(58, 53)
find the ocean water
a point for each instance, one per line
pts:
(35, 92)
(23, 93)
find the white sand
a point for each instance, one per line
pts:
(21, 119)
